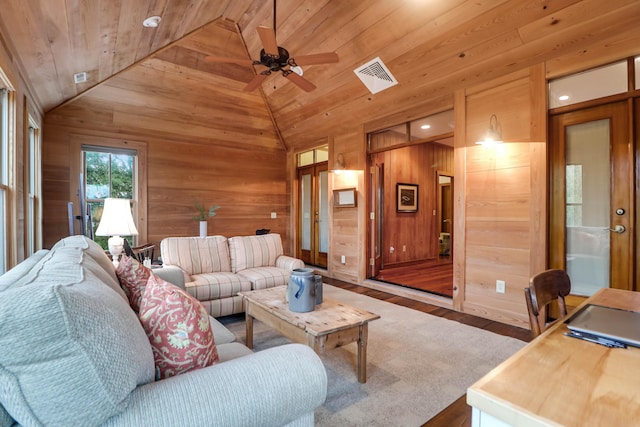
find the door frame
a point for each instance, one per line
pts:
(375, 209)
(315, 257)
(622, 247)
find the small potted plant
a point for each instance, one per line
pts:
(203, 215)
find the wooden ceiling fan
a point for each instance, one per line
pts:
(277, 58)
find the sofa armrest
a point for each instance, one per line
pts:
(289, 263)
(172, 274)
(268, 388)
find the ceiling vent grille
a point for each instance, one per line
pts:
(375, 76)
(80, 77)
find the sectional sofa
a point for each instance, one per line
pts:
(74, 353)
(216, 268)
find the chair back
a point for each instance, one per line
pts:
(545, 288)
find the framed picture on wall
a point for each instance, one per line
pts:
(345, 198)
(407, 197)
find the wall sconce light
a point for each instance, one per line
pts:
(493, 135)
(339, 166)
(116, 221)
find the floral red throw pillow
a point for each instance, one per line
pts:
(178, 328)
(133, 278)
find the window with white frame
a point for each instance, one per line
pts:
(108, 172)
(32, 189)
(4, 176)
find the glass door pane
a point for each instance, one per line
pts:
(323, 209)
(587, 206)
(305, 212)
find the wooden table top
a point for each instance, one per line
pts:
(558, 380)
(330, 316)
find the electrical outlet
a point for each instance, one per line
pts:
(404, 248)
(392, 250)
(343, 259)
(274, 215)
(500, 286)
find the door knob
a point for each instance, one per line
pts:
(618, 229)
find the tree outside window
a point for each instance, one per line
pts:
(109, 173)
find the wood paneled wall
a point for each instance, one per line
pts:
(504, 196)
(180, 173)
(412, 235)
(347, 225)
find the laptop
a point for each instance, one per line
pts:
(622, 326)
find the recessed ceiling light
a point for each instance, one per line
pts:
(151, 22)
(563, 97)
(425, 127)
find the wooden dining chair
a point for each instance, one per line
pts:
(139, 252)
(545, 288)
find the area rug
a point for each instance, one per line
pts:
(417, 364)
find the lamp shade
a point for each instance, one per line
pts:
(116, 219)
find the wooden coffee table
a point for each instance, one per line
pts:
(332, 324)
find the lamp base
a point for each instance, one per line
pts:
(116, 246)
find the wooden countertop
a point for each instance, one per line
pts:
(558, 380)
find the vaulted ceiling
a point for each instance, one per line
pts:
(432, 47)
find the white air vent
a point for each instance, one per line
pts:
(80, 77)
(375, 76)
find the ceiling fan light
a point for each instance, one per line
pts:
(297, 69)
(151, 22)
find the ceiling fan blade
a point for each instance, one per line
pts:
(305, 84)
(257, 81)
(238, 61)
(318, 58)
(268, 37)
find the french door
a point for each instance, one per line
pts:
(313, 214)
(592, 209)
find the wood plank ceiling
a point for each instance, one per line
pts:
(432, 48)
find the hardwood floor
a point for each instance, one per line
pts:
(435, 276)
(458, 414)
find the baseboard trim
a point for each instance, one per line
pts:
(413, 294)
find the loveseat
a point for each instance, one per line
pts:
(74, 353)
(216, 268)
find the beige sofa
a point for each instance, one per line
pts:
(216, 268)
(75, 354)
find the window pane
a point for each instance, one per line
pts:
(29, 224)
(3, 215)
(323, 208)
(305, 212)
(108, 174)
(322, 154)
(592, 84)
(4, 175)
(97, 175)
(305, 159)
(587, 206)
(387, 138)
(434, 125)
(122, 177)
